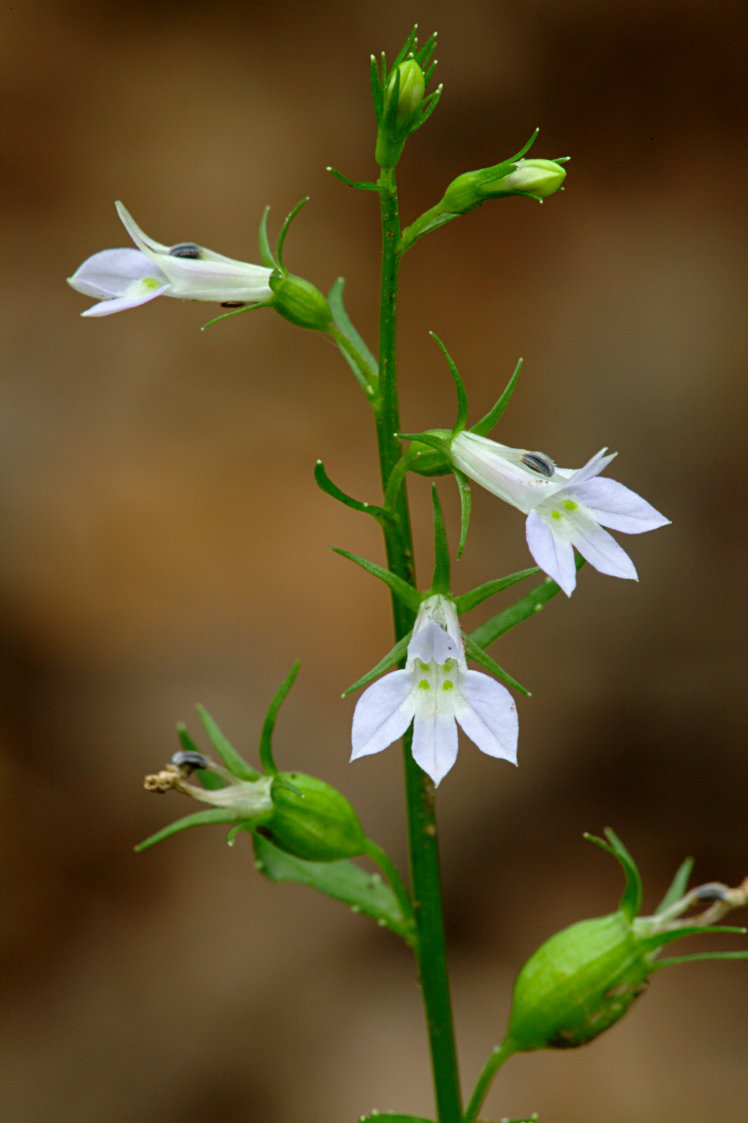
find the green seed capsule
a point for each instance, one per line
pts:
(577, 984)
(311, 820)
(300, 301)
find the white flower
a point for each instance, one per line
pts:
(125, 278)
(437, 692)
(564, 507)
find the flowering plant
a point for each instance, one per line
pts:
(584, 979)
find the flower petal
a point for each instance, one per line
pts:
(211, 276)
(383, 713)
(618, 507)
(594, 466)
(486, 712)
(109, 273)
(552, 551)
(599, 548)
(430, 643)
(499, 469)
(139, 292)
(435, 738)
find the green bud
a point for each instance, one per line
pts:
(579, 983)
(311, 820)
(300, 301)
(411, 88)
(534, 177)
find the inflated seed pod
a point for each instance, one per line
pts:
(312, 820)
(577, 984)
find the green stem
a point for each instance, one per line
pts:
(422, 834)
(500, 1054)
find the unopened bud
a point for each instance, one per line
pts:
(411, 88)
(534, 177)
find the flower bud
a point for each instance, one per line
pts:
(577, 984)
(411, 88)
(312, 820)
(300, 301)
(534, 177)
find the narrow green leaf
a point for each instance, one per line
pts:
(228, 754)
(485, 660)
(324, 483)
(489, 632)
(678, 886)
(359, 184)
(388, 1117)
(344, 881)
(486, 424)
(402, 590)
(266, 737)
(199, 819)
(391, 659)
(476, 596)
(441, 579)
(343, 323)
(466, 505)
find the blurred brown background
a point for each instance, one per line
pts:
(164, 544)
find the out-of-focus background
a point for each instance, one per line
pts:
(164, 544)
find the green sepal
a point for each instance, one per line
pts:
(462, 401)
(487, 423)
(234, 312)
(199, 819)
(674, 960)
(209, 780)
(268, 725)
(678, 886)
(476, 596)
(391, 659)
(441, 579)
(343, 880)
(631, 901)
(480, 656)
(266, 254)
(324, 483)
(523, 609)
(284, 231)
(466, 505)
(524, 149)
(228, 754)
(652, 943)
(402, 590)
(359, 184)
